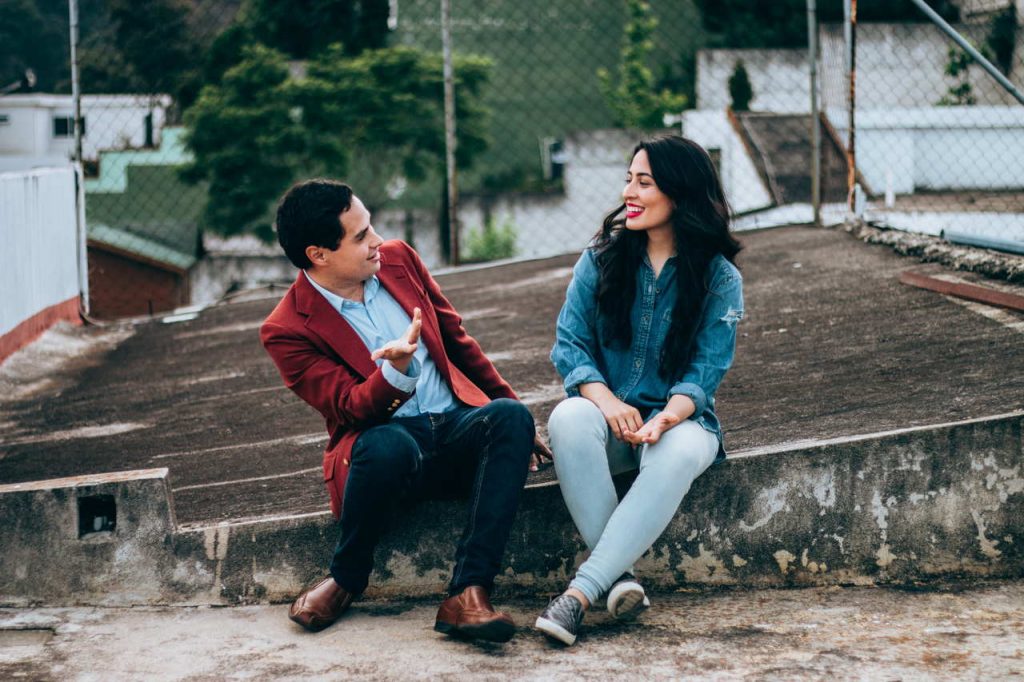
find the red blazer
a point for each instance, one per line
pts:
(321, 357)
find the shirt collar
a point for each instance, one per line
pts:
(670, 263)
(370, 288)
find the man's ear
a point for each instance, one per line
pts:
(315, 254)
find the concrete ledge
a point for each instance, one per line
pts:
(103, 539)
(937, 502)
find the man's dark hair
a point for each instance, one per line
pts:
(309, 214)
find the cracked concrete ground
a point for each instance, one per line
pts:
(972, 633)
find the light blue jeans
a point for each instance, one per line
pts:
(587, 455)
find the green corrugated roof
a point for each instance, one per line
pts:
(139, 204)
(133, 243)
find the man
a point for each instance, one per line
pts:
(406, 419)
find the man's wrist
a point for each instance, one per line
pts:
(402, 365)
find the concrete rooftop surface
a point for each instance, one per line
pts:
(875, 433)
(832, 633)
(832, 346)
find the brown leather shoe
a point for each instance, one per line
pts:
(321, 605)
(470, 614)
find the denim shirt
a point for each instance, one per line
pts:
(632, 373)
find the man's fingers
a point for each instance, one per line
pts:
(412, 334)
(393, 351)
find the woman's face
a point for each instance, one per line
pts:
(647, 207)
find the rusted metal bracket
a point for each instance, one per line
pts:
(970, 292)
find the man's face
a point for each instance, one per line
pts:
(357, 258)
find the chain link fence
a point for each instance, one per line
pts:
(198, 114)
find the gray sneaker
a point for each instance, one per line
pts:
(627, 600)
(561, 619)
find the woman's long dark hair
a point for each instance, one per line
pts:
(700, 225)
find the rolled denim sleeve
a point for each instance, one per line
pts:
(576, 332)
(403, 382)
(715, 340)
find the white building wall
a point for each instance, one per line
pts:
(898, 65)
(779, 79)
(39, 258)
(903, 65)
(940, 148)
(111, 122)
(546, 225)
(742, 183)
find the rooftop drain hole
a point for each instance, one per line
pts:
(96, 514)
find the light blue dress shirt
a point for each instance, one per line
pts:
(379, 319)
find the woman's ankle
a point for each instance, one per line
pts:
(573, 592)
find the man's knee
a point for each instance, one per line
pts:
(386, 451)
(511, 414)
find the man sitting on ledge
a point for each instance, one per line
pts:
(406, 419)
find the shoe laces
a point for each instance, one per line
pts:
(566, 608)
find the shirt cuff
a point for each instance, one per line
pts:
(585, 374)
(694, 393)
(406, 383)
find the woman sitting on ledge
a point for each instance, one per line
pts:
(647, 332)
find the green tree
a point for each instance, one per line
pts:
(783, 23)
(156, 42)
(633, 100)
(1002, 38)
(386, 106)
(372, 118)
(245, 141)
(304, 28)
(33, 35)
(740, 90)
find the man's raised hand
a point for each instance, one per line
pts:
(400, 351)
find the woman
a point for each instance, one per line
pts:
(646, 334)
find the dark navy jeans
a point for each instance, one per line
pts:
(480, 451)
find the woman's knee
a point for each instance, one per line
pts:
(573, 416)
(684, 451)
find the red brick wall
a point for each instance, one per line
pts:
(28, 330)
(120, 286)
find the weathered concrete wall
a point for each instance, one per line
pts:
(47, 559)
(924, 503)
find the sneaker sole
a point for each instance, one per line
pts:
(627, 601)
(555, 631)
(495, 631)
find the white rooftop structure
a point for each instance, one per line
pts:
(36, 130)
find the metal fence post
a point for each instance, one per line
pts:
(850, 30)
(812, 56)
(449, 131)
(76, 96)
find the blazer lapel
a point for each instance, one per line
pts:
(329, 325)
